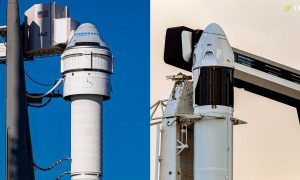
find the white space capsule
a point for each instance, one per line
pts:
(87, 65)
(213, 69)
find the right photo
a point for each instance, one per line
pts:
(224, 90)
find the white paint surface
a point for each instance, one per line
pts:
(86, 136)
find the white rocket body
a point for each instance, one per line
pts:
(86, 136)
(213, 68)
(87, 65)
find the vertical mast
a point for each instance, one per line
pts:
(18, 143)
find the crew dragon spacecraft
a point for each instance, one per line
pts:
(198, 115)
(213, 70)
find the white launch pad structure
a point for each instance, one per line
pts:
(195, 133)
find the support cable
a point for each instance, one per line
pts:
(47, 93)
(37, 82)
(61, 175)
(42, 105)
(53, 165)
(98, 174)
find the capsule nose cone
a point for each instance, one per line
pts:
(87, 35)
(87, 26)
(213, 49)
(214, 29)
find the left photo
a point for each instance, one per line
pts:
(74, 90)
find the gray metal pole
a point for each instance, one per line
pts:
(18, 143)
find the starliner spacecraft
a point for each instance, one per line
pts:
(198, 115)
(86, 65)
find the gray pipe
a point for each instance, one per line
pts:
(18, 143)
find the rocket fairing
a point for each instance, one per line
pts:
(213, 67)
(87, 65)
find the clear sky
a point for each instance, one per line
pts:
(125, 27)
(268, 146)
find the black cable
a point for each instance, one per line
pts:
(42, 105)
(53, 165)
(37, 82)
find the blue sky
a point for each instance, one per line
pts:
(125, 28)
